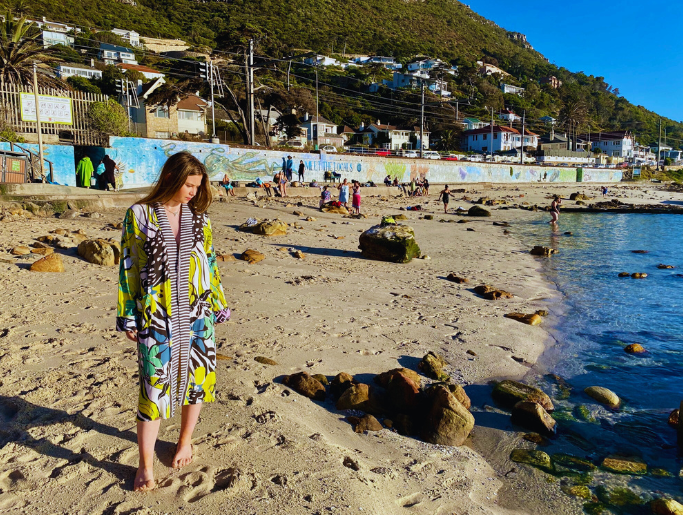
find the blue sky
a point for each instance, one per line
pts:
(637, 46)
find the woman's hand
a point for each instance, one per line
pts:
(132, 336)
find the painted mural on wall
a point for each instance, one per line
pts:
(140, 161)
(62, 157)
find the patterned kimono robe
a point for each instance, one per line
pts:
(173, 297)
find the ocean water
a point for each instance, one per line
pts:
(597, 316)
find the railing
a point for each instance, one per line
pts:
(33, 159)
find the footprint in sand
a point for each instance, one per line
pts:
(194, 486)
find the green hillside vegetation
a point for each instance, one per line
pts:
(445, 29)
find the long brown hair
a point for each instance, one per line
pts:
(174, 173)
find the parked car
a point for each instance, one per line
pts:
(409, 153)
(328, 148)
(430, 154)
(383, 152)
(452, 157)
(477, 158)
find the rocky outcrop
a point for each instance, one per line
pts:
(603, 396)
(395, 243)
(508, 393)
(356, 397)
(99, 252)
(365, 423)
(305, 385)
(340, 210)
(340, 384)
(666, 507)
(384, 378)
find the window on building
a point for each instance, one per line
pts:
(189, 115)
(495, 136)
(161, 112)
(485, 137)
(615, 153)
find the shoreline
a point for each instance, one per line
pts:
(331, 312)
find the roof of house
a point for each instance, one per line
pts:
(345, 129)
(614, 135)
(498, 128)
(149, 86)
(192, 103)
(77, 65)
(115, 48)
(138, 67)
(472, 120)
(317, 119)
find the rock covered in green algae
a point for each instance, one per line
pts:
(538, 459)
(624, 464)
(508, 393)
(432, 366)
(582, 412)
(395, 243)
(581, 491)
(561, 460)
(618, 496)
(603, 396)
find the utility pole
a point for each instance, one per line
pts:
(252, 114)
(213, 105)
(491, 147)
(422, 120)
(521, 159)
(128, 102)
(659, 145)
(38, 129)
(317, 127)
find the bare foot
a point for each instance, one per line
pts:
(144, 480)
(183, 455)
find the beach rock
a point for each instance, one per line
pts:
(634, 348)
(460, 394)
(454, 278)
(448, 422)
(351, 463)
(531, 319)
(340, 384)
(603, 396)
(639, 275)
(270, 228)
(322, 379)
(542, 312)
(225, 257)
(623, 464)
(340, 210)
(403, 393)
(665, 267)
(395, 243)
(478, 211)
(298, 254)
(252, 256)
(579, 196)
(532, 416)
(491, 293)
(62, 232)
(624, 274)
(542, 251)
(400, 217)
(507, 393)
(21, 250)
(618, 496)
(580, 203)
(568, 461)
(365, 423)
(432, 366)
(50, 263)
(356, 397)
(673, 418)
(310, 219)
(538, 459)
(69, 214)
(428, 217)
(43, 251)
(568, 233)
(99, 252)
(640, 251)
(581, 491)
(470, 229)
(666, 507)
(50, 239)
(298, 213)
(384, 378)
(536, 438)
(404, 424)
(305, 385)
(266, 361)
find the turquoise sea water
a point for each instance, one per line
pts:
(599, 315)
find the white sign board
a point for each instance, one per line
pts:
(52, 109)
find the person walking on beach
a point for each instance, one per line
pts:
(84, 173)
(302, 169)
(344, 193)
(282, 182)
(555, 209)
(290, 168)
(110, 168)
(445, 197)
(355, 203)
(170, 296)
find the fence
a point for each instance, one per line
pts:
(79, 133)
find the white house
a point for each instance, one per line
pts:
(192, 115)
(111, 54)
(322, 60)
(414, 80)
(388, 62)
(65, 70)
(51, 38)
(498, 139)
(618, 144)
(512, 90)
(489, 69)
(509, 116)
(148, 72)
(430, 64)
(391, 136)
(548, 120)
(129, 35)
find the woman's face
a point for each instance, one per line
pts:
(188, 190)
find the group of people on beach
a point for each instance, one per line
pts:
(104, 175)
(344, 188)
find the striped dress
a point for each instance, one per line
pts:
(172, 295)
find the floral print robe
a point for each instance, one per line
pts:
(173, 297)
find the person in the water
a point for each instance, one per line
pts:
(555, 209)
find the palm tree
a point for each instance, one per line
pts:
(573, 115)
(19, 47)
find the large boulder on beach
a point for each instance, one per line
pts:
(478, 211)
(304, 384)
(533, 416)
(384, 378)
(395, 243)
(603, 396)
(99, 252)
(508, 393)
(355, 397)
(270, 228)
(666, 507)
(340, 210)
(402, 393)
(448, 422)
(50, 263)
(340, 383)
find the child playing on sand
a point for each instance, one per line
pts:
(355, 202)
(168, 279)
(325, 196)
(444, 197)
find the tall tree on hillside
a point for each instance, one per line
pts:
(19, 48)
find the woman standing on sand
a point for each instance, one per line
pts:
(344, 193)
(445, 197)
(555, 209)
(355, 202)
(170, 297)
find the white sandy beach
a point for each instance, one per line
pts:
(68, 386)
